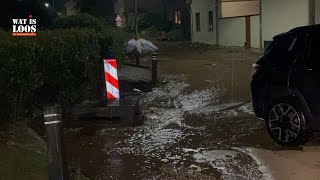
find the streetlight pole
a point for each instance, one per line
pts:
(136, 17)
(136, 27)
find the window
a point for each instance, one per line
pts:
(279, 52)
(210, 20)
(198, 22)
(313, 57)
(177, 17)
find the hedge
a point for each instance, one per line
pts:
(84, 20)
(56, 66)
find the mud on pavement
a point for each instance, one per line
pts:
(199, 124)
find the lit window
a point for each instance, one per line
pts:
(177, 17)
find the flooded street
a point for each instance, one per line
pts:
(198, 124)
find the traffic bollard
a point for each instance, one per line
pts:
(56, 166)
(154, 68)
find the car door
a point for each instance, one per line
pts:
(307, 73)
(281, 60)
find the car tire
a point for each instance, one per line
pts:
(286, 123)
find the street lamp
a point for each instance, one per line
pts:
(46, 5)
(53, 6)
(136, 17)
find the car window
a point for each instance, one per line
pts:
(279, 52)
(313, 60)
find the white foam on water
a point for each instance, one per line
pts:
(188, 150)
(195, 100)
(227, 162)
(252, 152)
(163, 117)
(162, 107)
(169, 91)
(150, 142)
(197, 168)
(246, 108)
(154, 137)
(218, 159)
(227, 114)
(213, 109)
(209, 156)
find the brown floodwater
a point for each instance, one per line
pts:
(198, 124)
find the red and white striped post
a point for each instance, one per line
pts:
(111, 77)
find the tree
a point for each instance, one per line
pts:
(164, 13)
(189, 2)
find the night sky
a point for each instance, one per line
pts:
(11, 9)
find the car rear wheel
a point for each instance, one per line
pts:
(286, 123)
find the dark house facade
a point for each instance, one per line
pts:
(173, 12)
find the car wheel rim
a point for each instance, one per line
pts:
(284, 122)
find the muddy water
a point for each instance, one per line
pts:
(199, 124)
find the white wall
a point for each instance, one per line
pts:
(317, 11)
(232, 31)
(203, 7)
(281, 16)
(255, 31)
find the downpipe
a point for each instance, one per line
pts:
(217, 21)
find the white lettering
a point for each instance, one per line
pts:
(15, 21)
(22, 21)
(33, 28)
(21, 28)
(32, 21)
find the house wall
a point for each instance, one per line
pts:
(317, 11)
(255, 31)
(232, 31)
(277, 17)
(281, 16)
(204, 35)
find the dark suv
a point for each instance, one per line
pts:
(286, 85)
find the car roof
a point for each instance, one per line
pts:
(306, 28)
(299, 30)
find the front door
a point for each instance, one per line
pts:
(308, 74)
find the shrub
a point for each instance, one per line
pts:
(195, 46)
(79, 21)
(54, 67)
(86, 20)
(150, 33)
(145, 20)
(175, 35)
